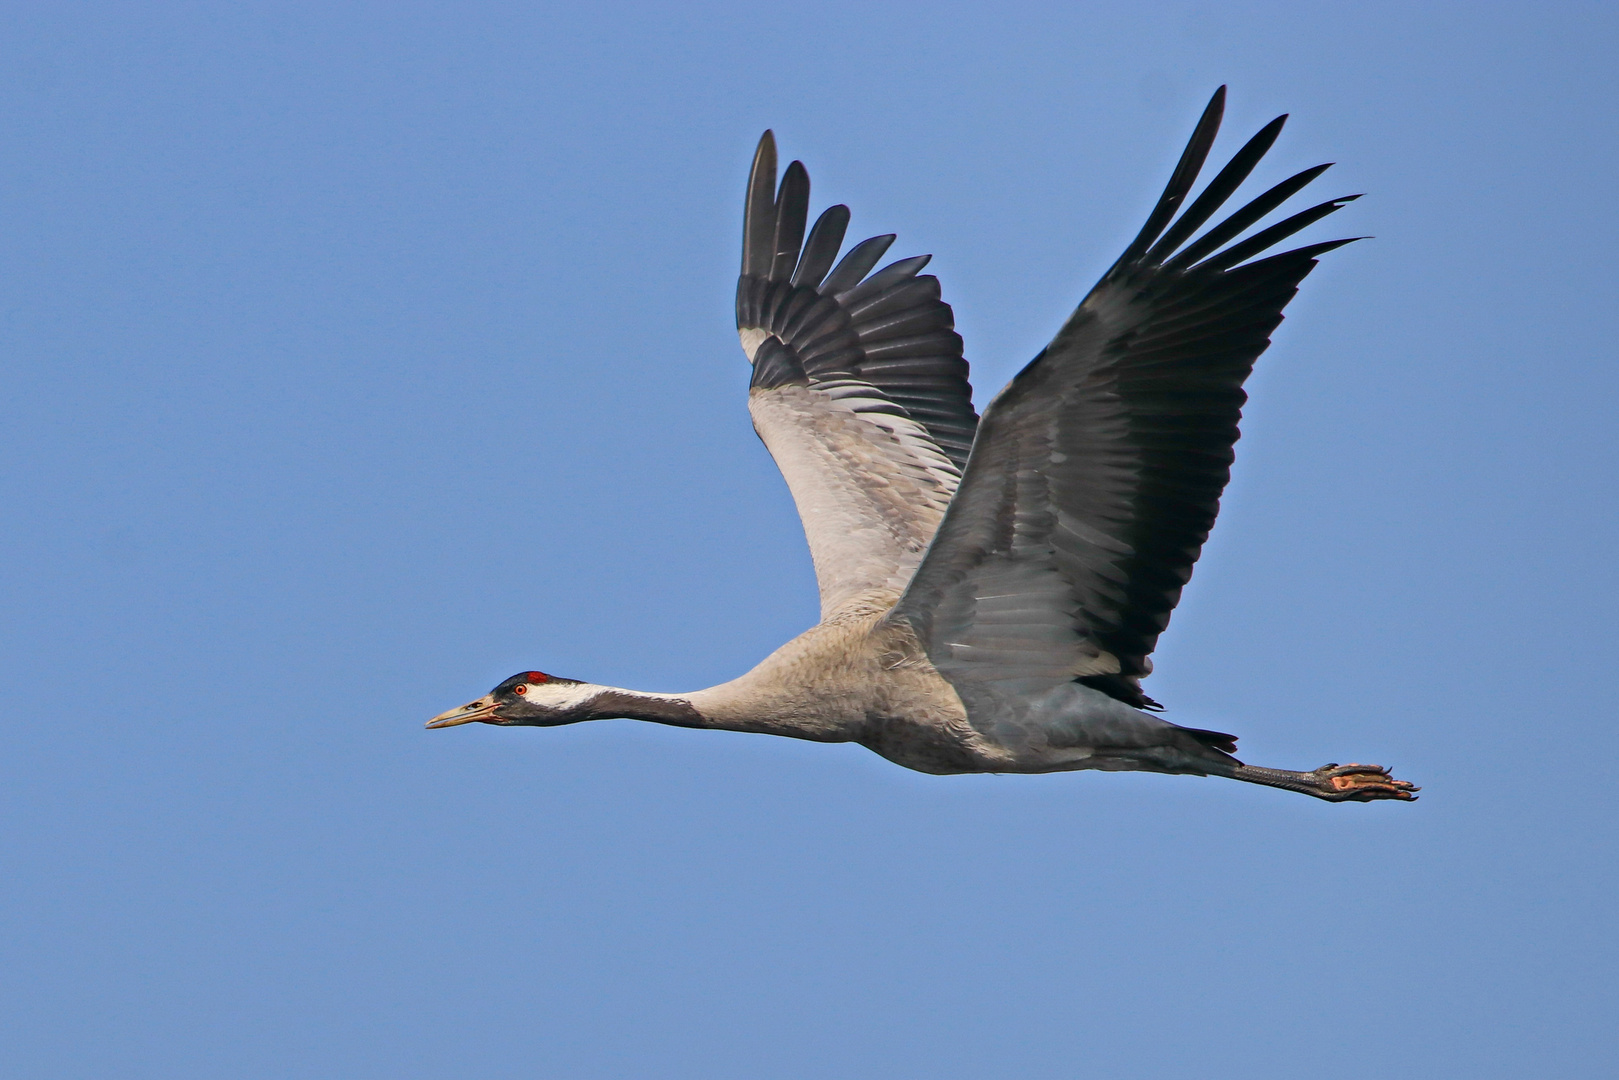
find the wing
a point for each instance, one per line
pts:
(1097, 472)
(859, 388)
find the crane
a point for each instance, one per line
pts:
(992, 588)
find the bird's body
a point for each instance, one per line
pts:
(991, 591)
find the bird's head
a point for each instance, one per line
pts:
(529, 698)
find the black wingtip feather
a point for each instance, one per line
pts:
(883, 280)
(821, 249)
(856, 264)
(1232, 227)
(1278, 232)
(1181, 180)
(1311, 251)
(759, 210)
(1219, 190)
(792, 211)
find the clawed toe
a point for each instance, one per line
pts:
(1363, 783)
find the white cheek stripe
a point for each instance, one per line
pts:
(561, 695)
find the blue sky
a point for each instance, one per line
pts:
(356, 357)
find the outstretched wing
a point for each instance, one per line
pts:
(1097, 472)
(859, 388)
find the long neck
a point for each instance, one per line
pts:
(727, 707)
(612, 703)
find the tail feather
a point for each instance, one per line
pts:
(1214, 740)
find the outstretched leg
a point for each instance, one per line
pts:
(1334, 783)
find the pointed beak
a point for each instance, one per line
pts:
(483, 709)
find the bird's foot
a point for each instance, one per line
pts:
(1334, 783)
(1360, 783)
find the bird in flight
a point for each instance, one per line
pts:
(992, 588)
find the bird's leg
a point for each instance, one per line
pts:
(1334, 783)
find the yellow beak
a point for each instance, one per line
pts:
(482, 709)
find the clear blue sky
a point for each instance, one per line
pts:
(357, 356)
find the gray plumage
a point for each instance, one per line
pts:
(991, 591)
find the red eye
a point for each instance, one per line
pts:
(519, 689)
(537, 677)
